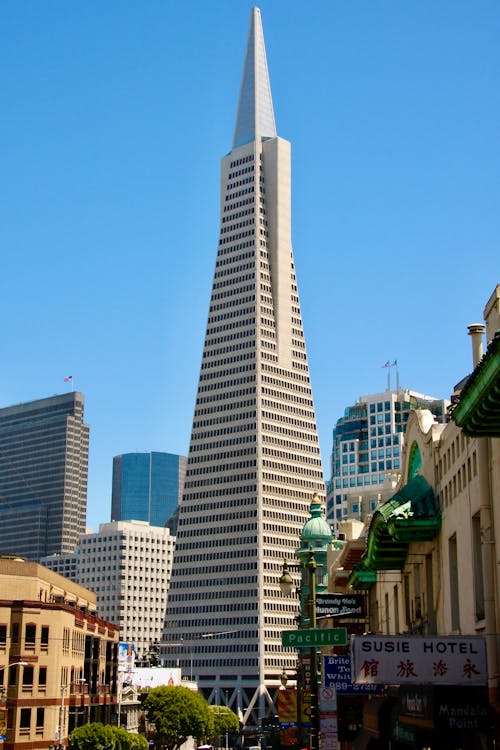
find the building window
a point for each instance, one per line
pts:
(407, 597)
(454, 587)
(44, 639)
(27, 678)
(40, 720)
(42, 677)
(396, 609)
(3, 635)
(477, 562)
(30, 636)
(25, 720)
(13, 676)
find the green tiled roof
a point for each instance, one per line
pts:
(412, 515)
(478, 408)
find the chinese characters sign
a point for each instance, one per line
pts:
(435, 660)
(337, 674)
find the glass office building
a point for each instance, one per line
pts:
(44, 448)
(366, 451)
(147, 486)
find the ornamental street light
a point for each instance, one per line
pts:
(286, 585)
(315, 538)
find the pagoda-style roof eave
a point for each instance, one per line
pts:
(362, 578)
(412, 515)
(414, 529)
(478, 409)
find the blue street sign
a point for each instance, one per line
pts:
(337, 672)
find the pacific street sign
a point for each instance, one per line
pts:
(314, 637)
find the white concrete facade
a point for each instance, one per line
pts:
(254, 460)
(127, 564)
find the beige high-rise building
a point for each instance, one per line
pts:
(254, 460)
(57, 657)
(127, 564)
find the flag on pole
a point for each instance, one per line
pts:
(68, 378)
(387, 364)
(395, 363)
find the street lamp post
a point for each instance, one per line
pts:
(315, 673)
(286, 585)
(315, 538)
(61, 715)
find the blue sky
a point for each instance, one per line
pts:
(114, 117)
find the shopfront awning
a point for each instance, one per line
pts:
(412, 515)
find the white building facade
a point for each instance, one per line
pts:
(254, 460)
(128, 565)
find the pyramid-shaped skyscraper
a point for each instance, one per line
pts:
(254, 460)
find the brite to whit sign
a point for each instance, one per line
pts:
(415, 660)
(337, 674)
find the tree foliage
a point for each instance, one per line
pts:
(93, 737)
(137, 742)
(224, 720)
(178, 713)
(103, 737)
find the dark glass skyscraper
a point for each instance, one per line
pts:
(44, 448)
(147, 486)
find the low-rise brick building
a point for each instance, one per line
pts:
(57, 657)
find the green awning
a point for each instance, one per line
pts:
(412, 515)
(478, 408)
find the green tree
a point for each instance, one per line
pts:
(121, 738)
(178, 713)
(224, 720)
(93, 737)
(137, 742)
(100, 737)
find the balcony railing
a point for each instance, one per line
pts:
(79, 688)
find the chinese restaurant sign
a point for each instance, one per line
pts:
(340, 605)
(435, 660)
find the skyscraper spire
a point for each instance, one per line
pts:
(254, 461)
(255, 118)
